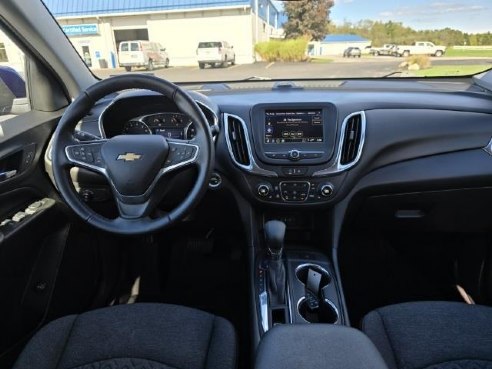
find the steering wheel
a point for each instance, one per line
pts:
(135, 166)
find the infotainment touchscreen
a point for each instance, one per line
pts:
(287, 126)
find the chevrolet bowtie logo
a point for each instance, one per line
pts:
(129, 156)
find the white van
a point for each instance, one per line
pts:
(142, 54)
(215, 53)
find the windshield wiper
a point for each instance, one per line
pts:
(390, 74)
(257, 78)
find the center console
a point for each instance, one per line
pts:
(294, 286)
(317, 346)
(296, 154)
(293, 156)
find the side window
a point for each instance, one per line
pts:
(134, 46)
(124, 46)
(13, 92)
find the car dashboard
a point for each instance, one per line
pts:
(358, 156)
(312, 147)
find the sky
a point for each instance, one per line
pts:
(473, 16)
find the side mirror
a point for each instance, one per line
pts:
(232, 47)
(164, 49)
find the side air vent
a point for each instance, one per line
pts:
(237, 141)
(353, 134)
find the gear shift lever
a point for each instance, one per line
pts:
(274, 237)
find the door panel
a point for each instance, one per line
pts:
(33, 224)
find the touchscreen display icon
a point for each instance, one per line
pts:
(288, 126)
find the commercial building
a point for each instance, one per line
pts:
(10, 55)
(334, 45)
(97, 27)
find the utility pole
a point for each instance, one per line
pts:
(257, 25)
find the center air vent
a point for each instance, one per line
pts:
(237, 140)
(353, 136)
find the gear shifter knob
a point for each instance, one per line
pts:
(274, 237)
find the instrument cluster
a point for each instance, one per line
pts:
(170, 125)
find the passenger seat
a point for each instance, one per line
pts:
(432, 335)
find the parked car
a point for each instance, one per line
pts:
(352, 52)
(215, 53)
(12, 88)
(146, 54)
(419, 48)
(387, 49)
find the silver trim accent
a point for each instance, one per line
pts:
(103, 171)
(337, 167)
(264, 310)
(289, 300)
(100, 119)
(329, 302)
(488, 148)
(216, 118)
(252, 167)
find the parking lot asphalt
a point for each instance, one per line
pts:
(338, 68)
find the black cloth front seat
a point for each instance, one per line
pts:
(139, 336)
(432, 335)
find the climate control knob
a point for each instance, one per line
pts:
(264, 189)
(326, 190)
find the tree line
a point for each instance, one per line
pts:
(397, 33)
(310, 19)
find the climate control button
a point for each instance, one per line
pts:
(326, 189)
(264, 189)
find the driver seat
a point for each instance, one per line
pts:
(143, 336)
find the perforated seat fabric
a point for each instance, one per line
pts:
(432, 335)
(143, 336)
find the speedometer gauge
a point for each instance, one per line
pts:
(135, 127)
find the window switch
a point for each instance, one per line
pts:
(19, 216)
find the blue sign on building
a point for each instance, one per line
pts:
(80, 29)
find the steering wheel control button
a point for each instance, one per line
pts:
(180, 153)
(86, 154)
(326, 190)
(294, 155)
(264, 189)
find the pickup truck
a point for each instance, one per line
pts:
(419, 48)
(387, 49)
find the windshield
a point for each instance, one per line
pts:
(210, 40)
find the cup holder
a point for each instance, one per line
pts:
(325, 313)
(303, 270)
